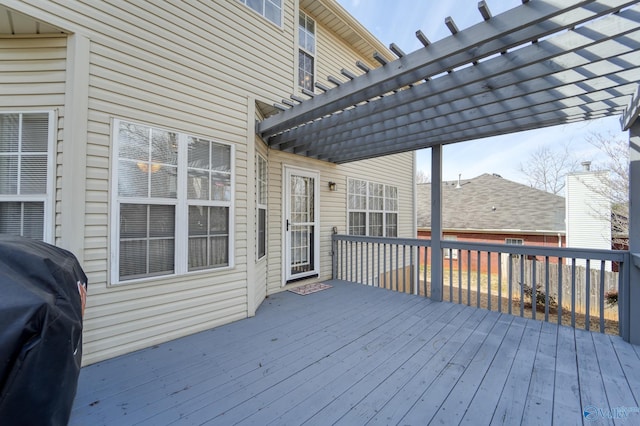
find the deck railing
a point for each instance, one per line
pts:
(581, 288)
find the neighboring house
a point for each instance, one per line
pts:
(588, 209)
(491, 209)
(127, 135)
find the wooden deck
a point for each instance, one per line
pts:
(356, 355)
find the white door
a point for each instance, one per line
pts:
(301, 223)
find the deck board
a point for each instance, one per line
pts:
(354, 354)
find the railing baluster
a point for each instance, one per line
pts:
(426, 260)
(587, 320)
(404, 268)
(397, 267)
(522, 286)
(384, 263)
(479, 268)
(534, 288)
(602, 296)
(451, 275)
(499, 282)
(560, 289)
(459, 276)
(573, 292)
(414, 285)
(510, 283)
(377, 277)
(361, 263)
(367, 263)
(489, 280)
(546, 289)
(468, 277)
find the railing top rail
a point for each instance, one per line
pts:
(563, 252)
(383, 240)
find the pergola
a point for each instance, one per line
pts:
(541, 64)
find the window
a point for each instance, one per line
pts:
(270, 9)
(450, 253)
(372, 209)
(26, 167)
(514, 242)
(172, 200)
(306, 54)
(261, 189)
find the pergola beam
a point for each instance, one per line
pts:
(512, 28)
(529, 97)
(530, 66)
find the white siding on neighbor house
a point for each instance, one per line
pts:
(165, 65)
(588, 211)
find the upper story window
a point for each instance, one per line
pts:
(307, 52)
(26, 174)
(270, 9)
(172, 200)
(372, 209)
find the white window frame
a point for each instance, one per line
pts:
(368, 210)
(261, 182)
(514, 241)
(306, 51)
(450, 253)
(182, 204)
(263, 13)
(49, 197)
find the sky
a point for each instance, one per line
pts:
(396, 21)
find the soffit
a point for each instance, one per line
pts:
(15, 23)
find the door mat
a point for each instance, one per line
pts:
(310, 288)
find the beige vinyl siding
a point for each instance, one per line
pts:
(190, 67)
(32, 77)
(32, 72)
(166, 65)
(394, 170)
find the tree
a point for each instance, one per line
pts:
(422, 177)
(546, 168)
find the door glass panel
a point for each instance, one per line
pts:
(301, 235)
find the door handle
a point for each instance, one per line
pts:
(288, 225)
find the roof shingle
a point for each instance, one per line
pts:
(490, 202)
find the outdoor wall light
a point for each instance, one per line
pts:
(332, 186)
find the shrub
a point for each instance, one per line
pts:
(611, 297)
(540, 296)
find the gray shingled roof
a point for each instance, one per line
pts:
(490, 202)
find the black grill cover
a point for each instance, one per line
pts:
(40, 332)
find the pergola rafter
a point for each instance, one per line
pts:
(540, 67)
(544, 63)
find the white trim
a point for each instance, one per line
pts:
(260, 206)
(367, 210)
(311, 54)
(181, 203)
(263, 16)
(48, 198)
(286, 205)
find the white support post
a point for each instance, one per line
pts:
(436, 222)
(630, 311)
